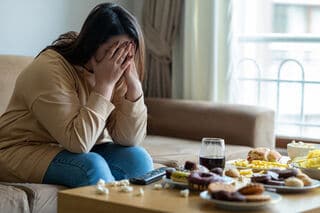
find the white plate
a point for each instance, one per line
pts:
(226, 179)
(291, 189)
(235, 205)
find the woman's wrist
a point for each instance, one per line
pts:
(134, 92)
(104, 89)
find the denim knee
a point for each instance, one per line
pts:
(95, 168)
(137, 161)
(73, 170)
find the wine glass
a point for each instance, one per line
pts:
(212, 153)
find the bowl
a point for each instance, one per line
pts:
(299, 149)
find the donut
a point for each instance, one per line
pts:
(189, 165)
(275, 182)
(169, 172)
(286, 173)
(228, 196)
(201, 180)
(180, 176)
(217, 170)
(261, 178)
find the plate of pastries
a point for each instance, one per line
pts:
(248, 197)
(194, 176)
(275, 172)
(262, 159)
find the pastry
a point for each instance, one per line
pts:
(189, 165)
(232, 173)
(275, 182)
(228, 196)
(273, 156)
(218, 186)
(257, 198)
(307, 181)
(286, 173)
(293, 181)
(180, 176)
(261, 178)
(260, 153)
(201, 180)
(263, 154)
(252, 189)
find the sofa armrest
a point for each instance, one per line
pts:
(237, 124)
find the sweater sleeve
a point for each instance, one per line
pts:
(52, 94)
(74, 126)
(128, 123)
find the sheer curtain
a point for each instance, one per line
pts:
(204, 52)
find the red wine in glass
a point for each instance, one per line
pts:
(212, 162)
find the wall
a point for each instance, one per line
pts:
(26, 27)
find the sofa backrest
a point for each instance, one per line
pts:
(10, 67)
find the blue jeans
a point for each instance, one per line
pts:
(106, 161)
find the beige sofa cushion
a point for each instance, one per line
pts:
(171, 151)
(10, 67)
(13, 200)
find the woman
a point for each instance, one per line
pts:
(77, 110)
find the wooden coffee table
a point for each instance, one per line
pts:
(85, 199)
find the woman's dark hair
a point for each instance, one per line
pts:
(104, 21)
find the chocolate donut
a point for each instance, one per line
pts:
(201, 180)
(189, 165)
(228, 196)
(275, 183)
(261, 178)
(288, 173)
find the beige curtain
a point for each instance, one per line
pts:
(160, 20)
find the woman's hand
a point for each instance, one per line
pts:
(109, 70)
(134, 88)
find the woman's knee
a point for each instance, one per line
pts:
(136, 161)
(75, 170)
(95, 167)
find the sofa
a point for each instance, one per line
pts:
(175, 130)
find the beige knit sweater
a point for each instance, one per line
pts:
(53, 108)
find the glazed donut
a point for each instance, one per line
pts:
(201, 180)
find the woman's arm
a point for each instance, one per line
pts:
(128, 123)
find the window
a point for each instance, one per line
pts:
(275, 51)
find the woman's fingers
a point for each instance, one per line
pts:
(127, 62)
(121, 54)
(113, 49)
